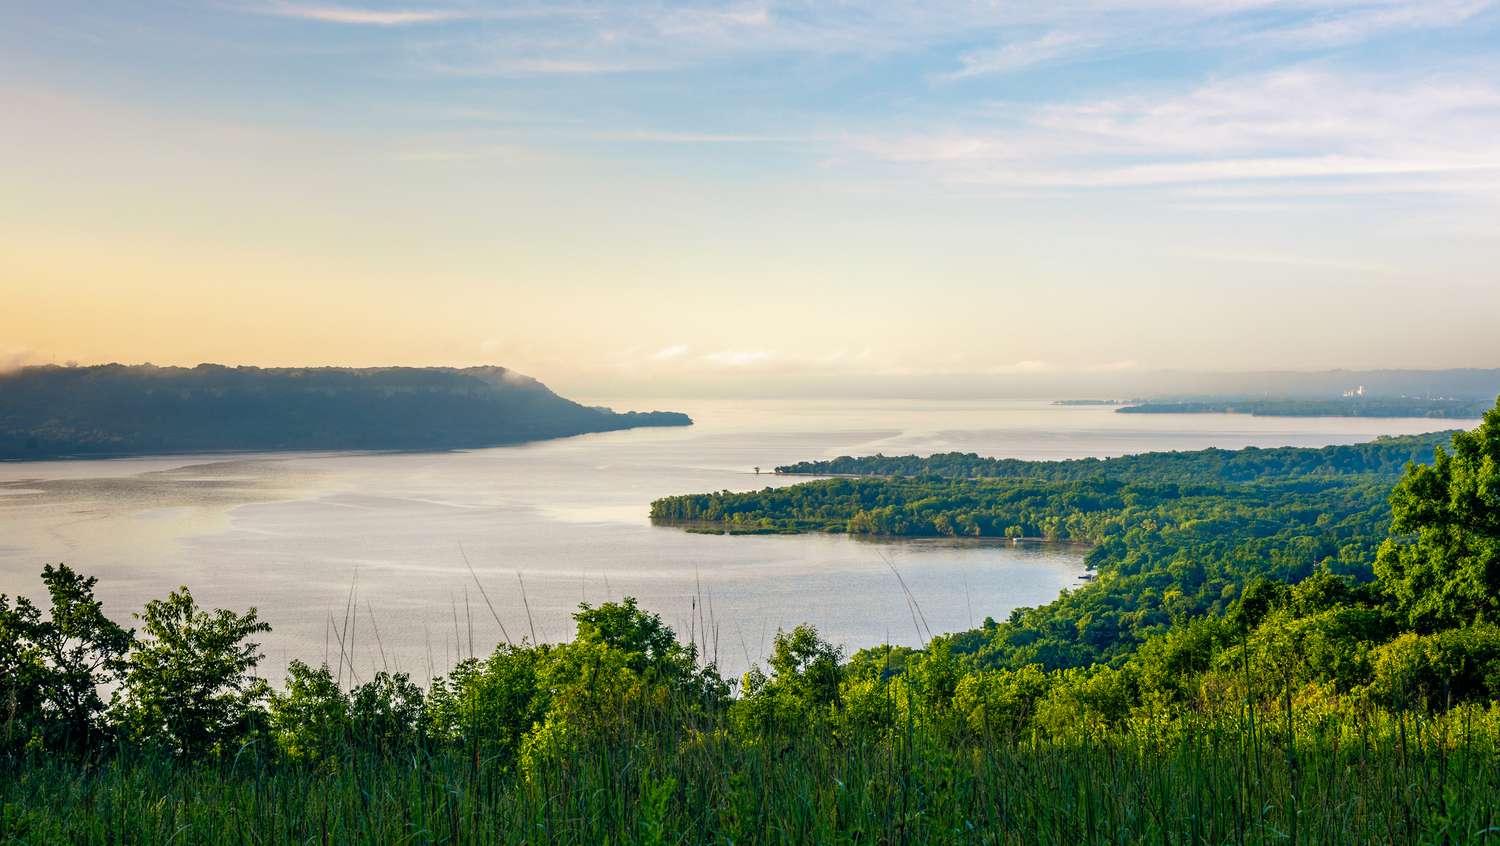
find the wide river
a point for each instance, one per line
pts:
(548, 525)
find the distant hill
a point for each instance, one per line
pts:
(50, 411)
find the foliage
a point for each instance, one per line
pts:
(51, 669)
(313, 720)
(190, 686)
(387, 713)
(487, 707)
(309, 719)
(1450, 573)
(1161, 552)
(803, 688)
(1385, 456)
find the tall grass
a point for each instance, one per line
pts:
(652, 778)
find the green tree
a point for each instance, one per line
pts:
(649, 646)
(387, 713)
(806, 664)
(191, 687)
(309, 718)
(20, 671)
(623, 626)
(312, 719)
(1449, 574)
(625, 661)
(804, 686)
(487, 706)
(51, 669)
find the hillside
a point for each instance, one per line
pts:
(50, 412)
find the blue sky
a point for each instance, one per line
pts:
(659, 193)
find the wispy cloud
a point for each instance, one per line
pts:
(530, 38)
(924, 147)
(358, 15)
(1113, 366)
(1229, 170)
(1287, 125)
(1361, 24)
(669, 353)
(712, 22)
(1484, 185)
(1299, 120)
(1292, 107)
(1283, 260)
(670, 137)
(519, 68)
(739, 358)
(1027, 366)
(1015, 55)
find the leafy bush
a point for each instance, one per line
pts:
(190, 687)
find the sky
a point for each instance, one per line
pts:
(661, 198)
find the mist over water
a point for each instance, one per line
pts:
(293, 533)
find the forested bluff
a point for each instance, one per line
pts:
(53, 411)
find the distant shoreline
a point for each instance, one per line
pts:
(1432, 409)
(300, 452)
(712, 527)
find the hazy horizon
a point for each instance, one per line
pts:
(1466, 383)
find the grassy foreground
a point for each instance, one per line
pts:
(1386, 780)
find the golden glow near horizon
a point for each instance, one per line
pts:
(911, 195)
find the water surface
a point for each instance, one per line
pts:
(292, 533)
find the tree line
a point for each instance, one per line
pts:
(1386, 456)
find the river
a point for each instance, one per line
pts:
(548, 525)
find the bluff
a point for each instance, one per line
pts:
(113, 409)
